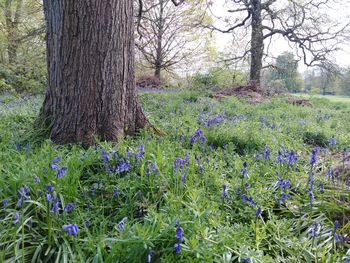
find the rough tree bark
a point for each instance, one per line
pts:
(257, 42)
(90, 56)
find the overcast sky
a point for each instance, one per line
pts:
(279, 45)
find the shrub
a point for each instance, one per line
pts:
(148, 81)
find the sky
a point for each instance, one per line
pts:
(337, 12)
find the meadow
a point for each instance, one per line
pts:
(228, 182)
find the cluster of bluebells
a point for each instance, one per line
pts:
(60, 170)
(181, 166)
(289, 157)
(264, 120)
(265, 153)
(152, 168)
(208, 121)
(115, 162)
(23, 195)
(197, 136)
(179, 237)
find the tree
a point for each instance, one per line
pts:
(303, 23)
(90, 58)
(21, 22)
(285, 70)
(167, 36)
(345, 82)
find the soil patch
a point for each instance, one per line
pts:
(253, 92)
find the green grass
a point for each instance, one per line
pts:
(178, 181)
(331, 98)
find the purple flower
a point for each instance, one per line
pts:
(336, 224)
(19, 203)
(49, 197)
(23, 191)
(69, 207)
(292, 158)
(149, 255)
(115, 192)
(246, 260)
(283, 197)
(61, 171)
(313, 159)
(266, 152)
(332, 141)
(280, 157)
(258, 212)
(244, 169)
(313, 230)
(179, 232)
(49, 188)
(37, 179)
(121, 224)
(105, 156)
(224, 191)
(16, 218)
(177, 248)
(55, 208)
(71, 229)
(141, 152)
(123, 166)
(5, 202)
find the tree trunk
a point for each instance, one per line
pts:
(257, 43)
(12, 24)
(90, 56)
(160, 31)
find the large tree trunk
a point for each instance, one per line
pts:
(257, 43)
(90, 55)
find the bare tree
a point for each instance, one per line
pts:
(166, 34)
(304, 24)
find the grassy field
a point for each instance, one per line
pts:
(331, 98)
(229, 182)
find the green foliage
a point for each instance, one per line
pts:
(284, 74)
(218, 225)
(218, 78)
(22, 78)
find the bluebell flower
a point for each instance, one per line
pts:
(26, 147)
(224, 191)
(177, 248)
(40, 192)
(257, 155)
(37, 179)
(238, 191)
(123, 166)
(313, 230)
(280, 157)
(121, 224)
(49, 197)
(283, 197)
(69, 207)
(23, 191)
(149, 255)
(115, 192)
(152, 168)
(321, 188)
(19, 203)
(291, 157)
(313, 158)
(5, 202)
(71, 229)
(332, 141)
(338, 238)
(336, 224)
(266, 152)
(179, 232)
(244, 169)
(16, 218)
(105, 156)
(311, 194)
(258, 212)
(248, 199)
(55, 206)
(141, 152)
(49, 188)
(246, 260)
(87, 222)
(61, 171)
